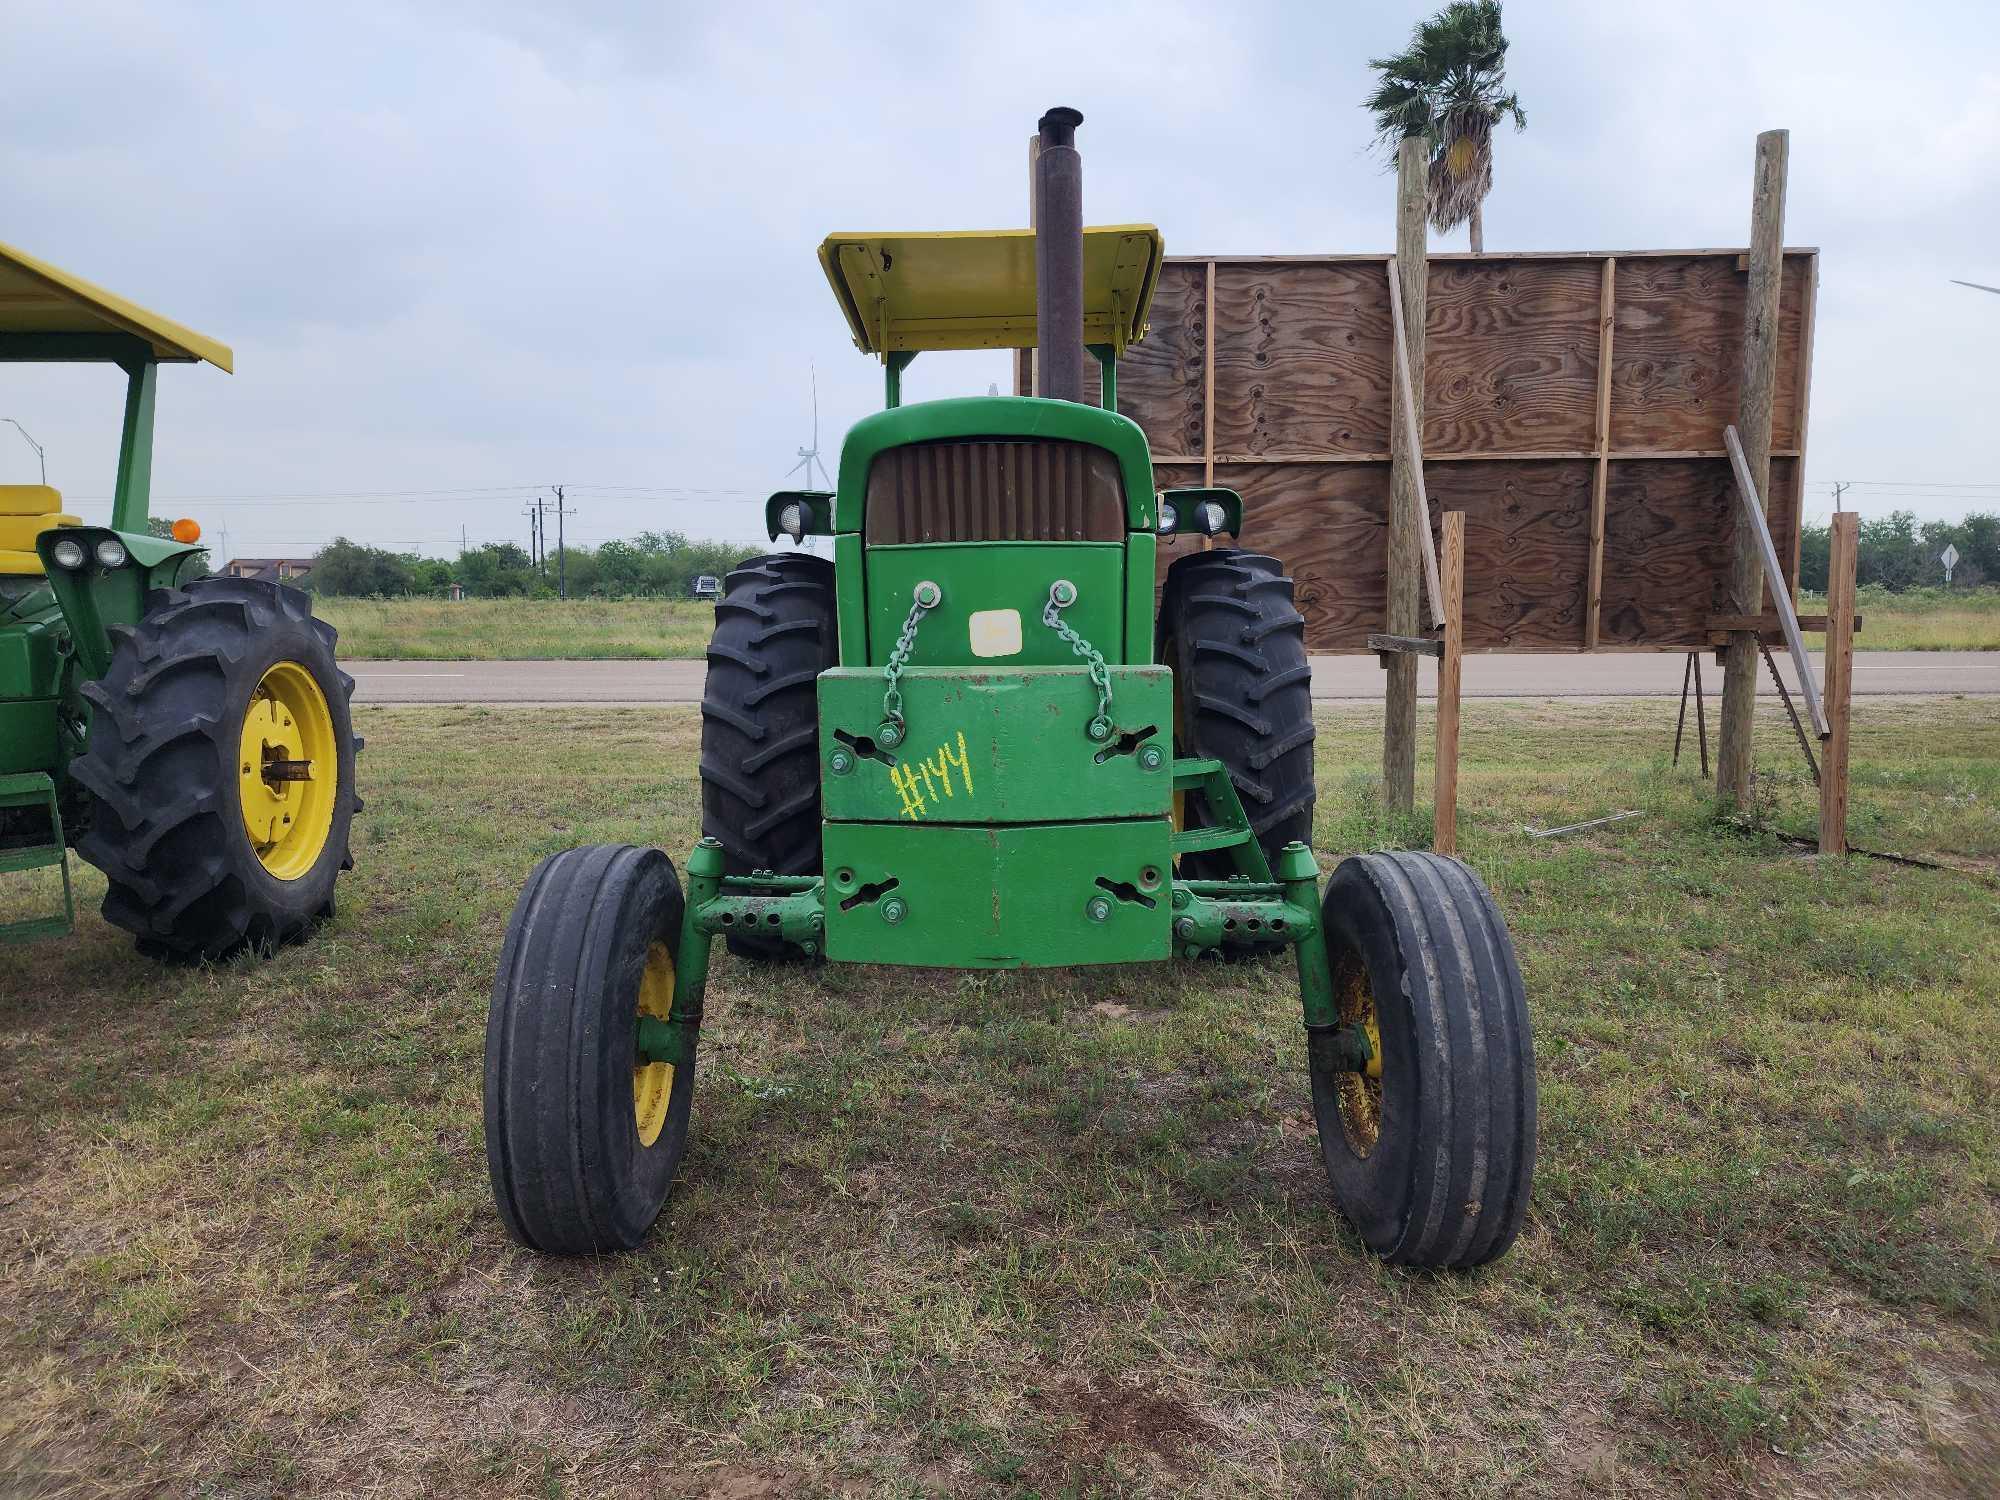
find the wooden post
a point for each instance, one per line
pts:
(1607, 305)
(1415, 440)
(1839, 682)
(1405, 563)
(1759, 387)
(1444, 790)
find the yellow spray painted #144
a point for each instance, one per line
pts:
(922, 781)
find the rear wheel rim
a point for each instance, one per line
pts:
(287, 771)
(1360, 1094)
(653, 1082)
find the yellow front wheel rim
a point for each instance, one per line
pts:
(1360, 1093)
(288, 771)
(653, 1082)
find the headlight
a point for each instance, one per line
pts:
(1213, 516)
(1168, 520)
(792, 519)
(67, 553)
(111, 552)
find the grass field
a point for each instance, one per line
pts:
(520, 629)
(1920, 620)
(1056, 1234)
(677, 629)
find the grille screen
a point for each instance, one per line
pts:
(981, 490)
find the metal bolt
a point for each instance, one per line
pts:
(1151, 757)
(928, 594)
(818, 921)
(1098, 909)
(1063, 592)
(840, 762)
(893, 910)
(889, 736)
(1098, 729)
(1182, 896)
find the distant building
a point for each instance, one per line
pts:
(270, 569)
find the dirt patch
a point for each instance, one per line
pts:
(749, 1483)
(1112, 1010)
(1104, 1415)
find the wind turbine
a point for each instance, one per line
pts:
(1977, 286)
(809, 458)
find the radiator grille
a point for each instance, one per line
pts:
(1032, 490)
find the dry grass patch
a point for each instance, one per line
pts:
(1051, 1233)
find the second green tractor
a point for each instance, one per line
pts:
(188, 735)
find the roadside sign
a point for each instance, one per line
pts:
(1949, 557)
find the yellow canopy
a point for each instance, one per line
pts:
(36, 297)
(976, 289)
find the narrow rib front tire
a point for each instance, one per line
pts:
(583, 1136)
(1431, 1158)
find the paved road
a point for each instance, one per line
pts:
(1335, 678)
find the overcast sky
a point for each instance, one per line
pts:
(481, 247)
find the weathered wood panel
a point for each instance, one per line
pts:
(1510, 362)
(1676, 365)
(1301, 359)
(1160, 377)
(1301, 411)
(1669, 526)
(1527, 548)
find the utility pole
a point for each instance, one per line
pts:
(1733, 766)
(461, 541)
(534, 515)
(562, 556)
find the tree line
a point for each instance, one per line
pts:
(655, 564)
(1897, 552)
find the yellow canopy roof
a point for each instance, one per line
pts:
(36, 297)
(976, 289)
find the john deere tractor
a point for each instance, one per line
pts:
(971, 741)
(188, 735)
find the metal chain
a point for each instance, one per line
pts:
(1062, 594)
(926, 597)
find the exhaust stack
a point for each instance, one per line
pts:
(1059, 257)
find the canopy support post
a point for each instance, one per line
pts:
(131, 499)
(1107, 369)
(893, 364)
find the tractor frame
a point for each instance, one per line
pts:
(973, 741)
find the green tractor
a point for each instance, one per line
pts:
(971, 741)
(188, 735)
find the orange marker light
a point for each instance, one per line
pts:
(186, 530)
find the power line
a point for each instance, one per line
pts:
(1912, 484)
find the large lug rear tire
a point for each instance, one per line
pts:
(220, 770)
(1243, 693)
(583, 1137)
(775, 632)
(1432, 1158)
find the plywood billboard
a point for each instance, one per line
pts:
(1546, 379)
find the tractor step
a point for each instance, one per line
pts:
(1233, 832)
(36, 789)
(1201, 840)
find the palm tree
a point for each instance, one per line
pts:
(1450, 86)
